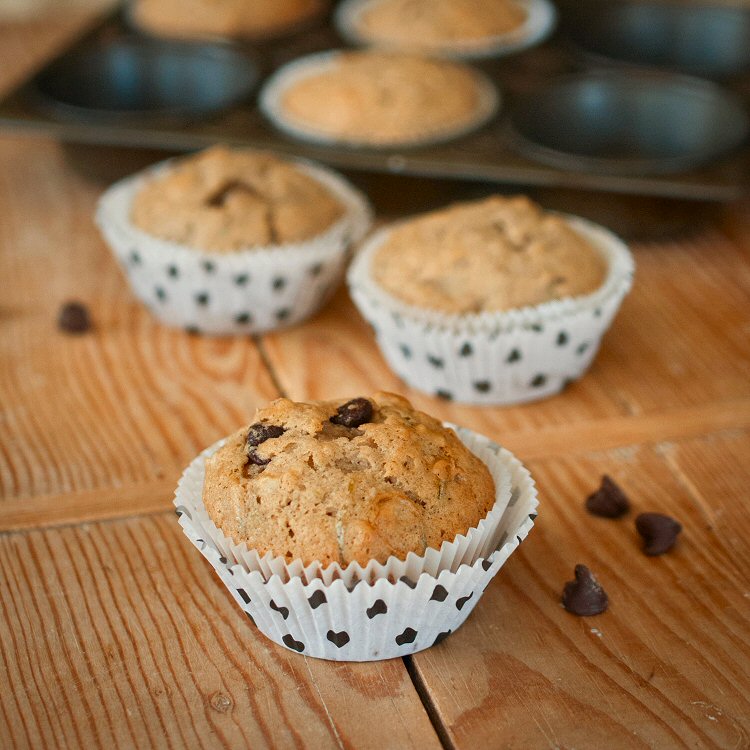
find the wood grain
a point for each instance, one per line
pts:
(132, 401)
(119, 635)
(668, 665)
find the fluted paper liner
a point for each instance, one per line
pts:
(380, 611)
(541, 17)
(241, 292)
(271, 97)
(494, 357)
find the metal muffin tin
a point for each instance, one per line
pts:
(136, 79)
(630, 123)
(713, 163)
(705, 40)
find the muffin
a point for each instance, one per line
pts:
(227, 18)
(343, 480)
(361, 480)
(491, 255)
(491, 302)
(448, 28)
(223, 201)
(377, 99)
(233, 241)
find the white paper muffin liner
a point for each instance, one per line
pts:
(541, 17)
(272, 94)
(494, 358)
(386, 614)
(241, 292)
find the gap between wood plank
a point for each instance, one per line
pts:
(424, 695)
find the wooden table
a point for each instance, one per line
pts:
(114, 632)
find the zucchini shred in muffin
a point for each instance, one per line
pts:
(338, 482)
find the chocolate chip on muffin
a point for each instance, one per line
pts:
(353, 413)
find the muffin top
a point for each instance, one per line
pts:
(197, 18)
(382, 98)
(489, 255)
(338, 481)
(427, 24)
(223, 200)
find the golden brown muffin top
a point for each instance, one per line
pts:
(380, 98)
(426, 24)
(198, 18)
(489, 255)
(224, 200)
(338, 481)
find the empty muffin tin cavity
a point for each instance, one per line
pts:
(136, 79)
(704, 40)
(628, 123)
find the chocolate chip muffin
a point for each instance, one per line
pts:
(490, 255)
(436, 24)
(339, 481)
(232, 18)
(370, 98)
(224, 200)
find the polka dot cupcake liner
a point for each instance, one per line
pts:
(494, 358)
(243, 292)
(272, 94)
(394, 610)
(541, 18)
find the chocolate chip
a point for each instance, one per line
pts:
(608, 501)
(353, 413)
(584, 596)
(258, 433)
(659, 532)
(254, 458)
(538, 381)
(74, 318)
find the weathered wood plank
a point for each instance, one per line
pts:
(120, 635)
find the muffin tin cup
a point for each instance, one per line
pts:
(241, 292)
(271, 97)
(539, 24)
(494, 358)
(381, 611)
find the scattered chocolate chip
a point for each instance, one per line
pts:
(584, 596)
(608, 501)
(353, 413)
(74, 318)
(258, 433)
(659, 532)
(254, 458)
